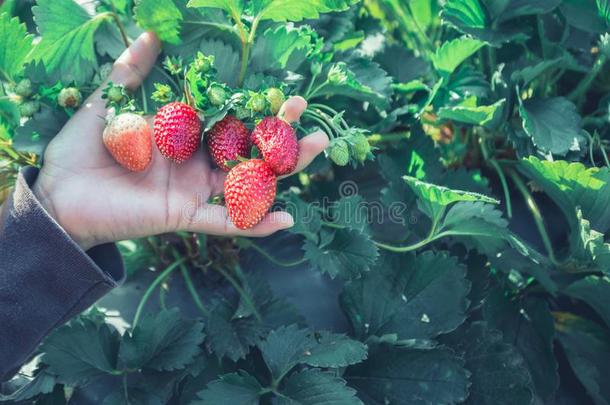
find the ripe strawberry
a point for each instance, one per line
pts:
(177, 131)
(227, 140)
(277, 142)
(249, 192)
(128, 138)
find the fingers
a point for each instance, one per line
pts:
(130, 70)
(132, 67)
(310, 147)
(292, 109)
(214, 220)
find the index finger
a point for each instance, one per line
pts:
(130, 70)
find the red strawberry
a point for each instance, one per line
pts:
(128, 138)
(278, 144)
(227, 140)
(177, 131)
(249, 192)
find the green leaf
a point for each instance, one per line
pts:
(595, 292)
(572, 185)
(238, 388)
(499, 373)
(409, 376)
(314, 387)
(226, 60)
(15, 44)
(476, 223)
(81, 351)
(471, 114)
(288, 346)
(518, 8)
(603, 7)
(67, 46)
(587, 347)
(433, 199)
(160, 16)
(353, 212)
(584, 15)
(38, 131)
(43, 383)
(233, 7)
(334, 350)
(452, 53)
(553, 124)
(413, 297)
(229, 336)
(297, 10)
(362, 80)
(469, 13)
(529, 326)
(527, 74)
(342, 252)
(588, 247)
(307, 218)
(163, 341)
(281, 48)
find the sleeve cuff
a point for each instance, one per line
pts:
(45, 277)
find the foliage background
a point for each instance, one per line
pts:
(489, 120)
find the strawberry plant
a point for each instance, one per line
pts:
(450, 246)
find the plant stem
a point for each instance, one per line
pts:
(152, 287)
(119, 24)
(533, 207)
(432, 236)
(586, 83)
(245, 51)
(494, 164)
(191, 287)
(320, 121)
(242, 293)
(272, 259)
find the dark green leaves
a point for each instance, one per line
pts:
(296, 10)
(162, 342)
(15, 44)
(314, 387)
(81, 351)
(412, 297)
(553, 124)
(67, 46)
(341, 252)
(412, 376)
(160, 16)
(595, 291)
(236, 389)
(499, 374)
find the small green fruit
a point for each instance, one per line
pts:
(242, 113)
(217, 94)
(361, 147)
(339, 152)
(202, 63)
(29, 108)
(69, 97)
(257, 103)
(116, 94)
(276, 98)
(24, 88)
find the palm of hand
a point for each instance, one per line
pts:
(97, 201)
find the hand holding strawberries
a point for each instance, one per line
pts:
(97, 200)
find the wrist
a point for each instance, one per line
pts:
(46, 200)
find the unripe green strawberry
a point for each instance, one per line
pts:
(361, 147)
(336, 74)
(177, 131)
(339, 152)
(278, 144)
(29, 108)
(69, 97)
(128, 138)
(24, 88)
(116, 94)
(257, 103)
(217, 94)
(202, 63)
(249, 192)
(276, 98)
(242, 113)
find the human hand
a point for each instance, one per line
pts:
(97, 201)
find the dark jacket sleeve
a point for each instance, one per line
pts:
(45, 278)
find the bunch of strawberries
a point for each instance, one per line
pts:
(250, 186)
